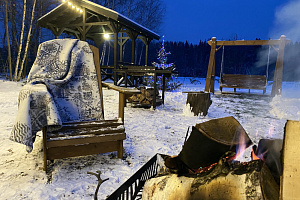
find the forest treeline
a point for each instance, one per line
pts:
(192, 60)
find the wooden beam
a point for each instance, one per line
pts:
(246, 42)
(88, 24)
(211, 66)
(83, 33)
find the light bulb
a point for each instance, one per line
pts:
(106, 36)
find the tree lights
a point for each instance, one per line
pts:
(73, 6)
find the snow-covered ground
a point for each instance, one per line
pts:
(148, 132)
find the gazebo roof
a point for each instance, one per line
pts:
(93, 21)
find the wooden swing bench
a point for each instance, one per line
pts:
(256, 82)
(87, 137)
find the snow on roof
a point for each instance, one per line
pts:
(104, 12)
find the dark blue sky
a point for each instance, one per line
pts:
(195, 20)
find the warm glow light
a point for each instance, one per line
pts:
(70, 3)
(81, 10)
(106, 36)
(77, 9)
(73, 6)
(64, 0)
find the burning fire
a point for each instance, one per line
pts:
(254, 157)
(240, 148)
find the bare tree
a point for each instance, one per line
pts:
(21, 42)
(27, 43)
(8, 43)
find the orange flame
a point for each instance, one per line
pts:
(240, 148)
(254, 157)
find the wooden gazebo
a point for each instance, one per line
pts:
(87, 20)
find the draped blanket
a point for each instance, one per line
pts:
(62, 86)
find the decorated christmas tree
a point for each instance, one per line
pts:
(162, 58)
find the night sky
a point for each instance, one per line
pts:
(195, 20)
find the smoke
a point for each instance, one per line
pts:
(287, 21)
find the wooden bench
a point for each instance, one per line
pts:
(255, 82)
(124, 93)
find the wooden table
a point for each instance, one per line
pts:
(136, 71)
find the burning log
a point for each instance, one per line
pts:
(227, 180)
(209, 141)
(270, 150)
(206, 167)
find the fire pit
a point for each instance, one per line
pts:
(271, 174)
(206, 168)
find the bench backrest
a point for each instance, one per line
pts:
(95, 51)
(243, 81)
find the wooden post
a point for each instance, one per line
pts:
(120, 149)
(212, 80)
(277, 82)
(289, 186)
(163, 88)
(133, 51)
(116, 39)
(211, 66)
(146, 54)
(155, 87)
(122, 101)
(121, 48)
(44, 130)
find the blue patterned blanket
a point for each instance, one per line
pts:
(62, 86)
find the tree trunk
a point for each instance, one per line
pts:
(21, 42)
(8, 44)
(27, 43)
(199, 102)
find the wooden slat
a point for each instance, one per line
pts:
(243, 81)
(102, 123)
(82, 150)
(121, 89)
(86, 140)
(246, 42)
(84, 131)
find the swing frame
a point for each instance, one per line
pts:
(241, 82)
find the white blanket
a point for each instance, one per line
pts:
(62, 86)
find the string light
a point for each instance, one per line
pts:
(73, 6)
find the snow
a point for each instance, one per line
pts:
(149, 131)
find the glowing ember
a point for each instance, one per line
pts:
(202, 169)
